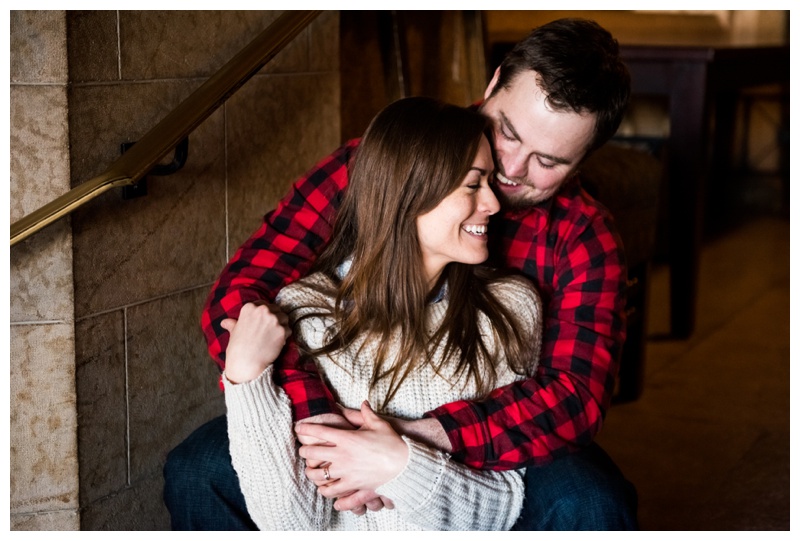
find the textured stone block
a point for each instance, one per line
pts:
(323, 48)
(93, 46)
(46, 522)
(39, 147)
(43, 428)
(137, 508)
(41, 266)
(170, 239)
(102, 405)
(172, 382)
(161, 44)
(38, 46)
(278, 127)
(41, 276)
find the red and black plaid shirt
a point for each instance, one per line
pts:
(567, 246)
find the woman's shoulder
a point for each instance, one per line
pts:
(514, 288)
(315, 290)
(520, 297)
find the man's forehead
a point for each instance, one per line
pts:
(558, 135)
(528, 104)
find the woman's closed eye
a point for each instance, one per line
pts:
(474, 180)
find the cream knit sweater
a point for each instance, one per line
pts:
(431, 493)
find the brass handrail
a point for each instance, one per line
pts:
(178, 124)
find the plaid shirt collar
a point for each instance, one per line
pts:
(539, 214)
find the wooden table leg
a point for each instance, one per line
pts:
(687, 172)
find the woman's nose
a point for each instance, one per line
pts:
(489, 203)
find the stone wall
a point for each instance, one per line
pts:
(43, 460)
(129, 376)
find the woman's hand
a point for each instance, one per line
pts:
(362, 459)
(358, 502)
(257, 339)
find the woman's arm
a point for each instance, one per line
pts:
(262, 446)
(437, 493)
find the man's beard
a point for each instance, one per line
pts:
(511, 203)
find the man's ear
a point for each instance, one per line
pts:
(492, 84)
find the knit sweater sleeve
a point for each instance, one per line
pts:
(264, 454)
(436, 493)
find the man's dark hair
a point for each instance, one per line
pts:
(579, 68)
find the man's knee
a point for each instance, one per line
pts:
(598, 505)
(582, 491)
(199, 458)
(201, 489)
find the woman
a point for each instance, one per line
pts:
(399, 315)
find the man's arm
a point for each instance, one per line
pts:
(536, 420)
(281, 251)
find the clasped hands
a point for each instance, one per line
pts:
(349, 456)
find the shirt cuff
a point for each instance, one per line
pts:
(464, 429)
(323, 403)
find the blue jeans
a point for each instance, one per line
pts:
(581, 491)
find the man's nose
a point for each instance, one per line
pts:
(515, 166)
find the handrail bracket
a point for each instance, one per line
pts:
(139, 188)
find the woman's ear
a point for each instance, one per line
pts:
(492, 84)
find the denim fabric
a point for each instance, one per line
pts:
(201, 489)
(581, 491)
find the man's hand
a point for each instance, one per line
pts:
(359, 501)
(328, 419)
(427, 431)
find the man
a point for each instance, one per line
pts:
(559, 95)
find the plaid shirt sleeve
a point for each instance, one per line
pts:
(580, 267)
(281, 251)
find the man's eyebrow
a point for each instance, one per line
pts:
(556, 159)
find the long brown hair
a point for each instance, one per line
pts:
(414, 153)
